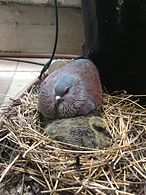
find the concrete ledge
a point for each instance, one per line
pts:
(61, 3)
(31, 28)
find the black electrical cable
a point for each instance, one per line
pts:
(55, 44)
(25, 61)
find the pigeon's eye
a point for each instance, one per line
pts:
(66, 91)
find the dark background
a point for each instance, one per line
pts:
(115, 40)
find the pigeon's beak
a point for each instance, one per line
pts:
(58, 99)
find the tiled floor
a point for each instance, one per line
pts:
(16, 75)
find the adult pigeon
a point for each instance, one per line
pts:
(70, 91)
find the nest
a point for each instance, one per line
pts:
(33, 163)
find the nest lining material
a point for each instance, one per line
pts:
(33, 163)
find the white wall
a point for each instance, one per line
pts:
(31, 28)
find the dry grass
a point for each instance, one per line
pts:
(32, 163)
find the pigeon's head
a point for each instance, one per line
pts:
(69, 93)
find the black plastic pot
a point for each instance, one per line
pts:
(115, 40)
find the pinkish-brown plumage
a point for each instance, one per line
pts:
(72, 90)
